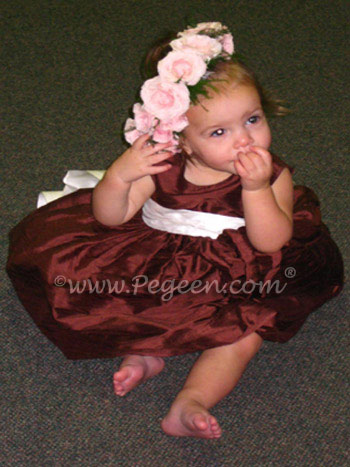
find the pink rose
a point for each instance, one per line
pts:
(187, 66)
(204, 45)
(227, 43)
(162, 134)
(130, 132)
(214, 26)
(143, 120)
(177, 124)
(165, 100)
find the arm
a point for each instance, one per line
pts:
(128, 184)
(267, 209)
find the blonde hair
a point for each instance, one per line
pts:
(224, 75)
(227, 74)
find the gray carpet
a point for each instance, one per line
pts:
(71, 70)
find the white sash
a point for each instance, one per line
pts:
(186, 222)
(179, 221)
(73, 180)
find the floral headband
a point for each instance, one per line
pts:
(182, 76)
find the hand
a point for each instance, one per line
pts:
(140, 160)
(254, 168)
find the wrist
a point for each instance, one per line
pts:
(114, 180)
(256, 190)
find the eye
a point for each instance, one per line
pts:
(218, 132)
(253, 119)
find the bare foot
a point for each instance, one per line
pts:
(134, 370)
(187, 417)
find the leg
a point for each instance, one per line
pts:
(213, 376)
(134, 370)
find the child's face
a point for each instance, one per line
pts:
(224, 126)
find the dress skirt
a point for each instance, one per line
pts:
(100, 292)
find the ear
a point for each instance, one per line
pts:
(185, 146)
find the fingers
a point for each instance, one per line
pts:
(141, 141)
(144, 158)
(144, 142)
(254, 168)
(257, 159)
(248, 160)
(156, 163)
(159, 156)
(240, 169)
(156, 169)
(150, 156)
(263, 153)
(159, 148)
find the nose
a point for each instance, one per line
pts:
(242, 139)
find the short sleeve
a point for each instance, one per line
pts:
(278, 166)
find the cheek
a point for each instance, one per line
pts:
(194, 144)
(265, 137)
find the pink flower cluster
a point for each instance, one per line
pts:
(166, 98)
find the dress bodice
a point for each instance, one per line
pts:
(173, 191)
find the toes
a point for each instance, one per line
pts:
(121, 375)
(126, 379)
(215, 427)
(119, 389)
(118, 379)
(200, 422)
(206, 426)
(193, 423)
(134, 371)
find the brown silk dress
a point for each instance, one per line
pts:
(99, 292)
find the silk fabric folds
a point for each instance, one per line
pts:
(99, 292)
